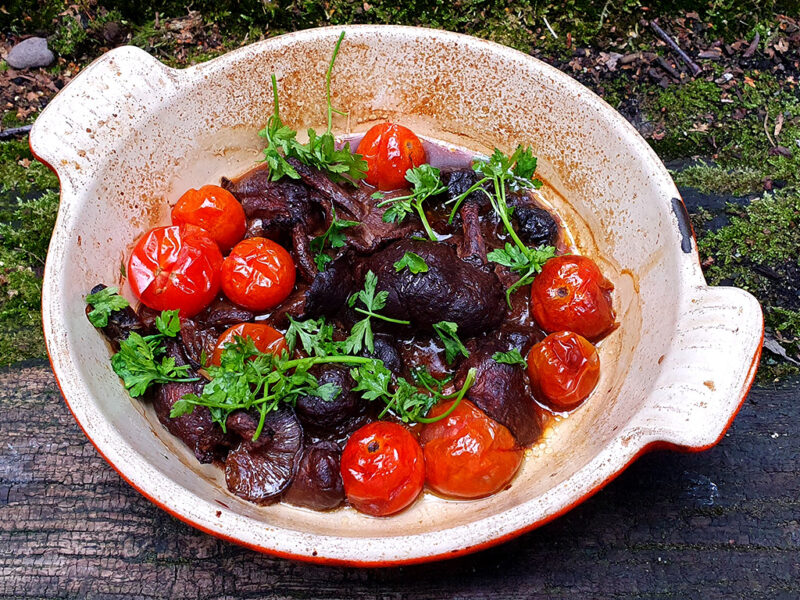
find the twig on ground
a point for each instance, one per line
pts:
(677, 49)
(14, 132)
(766, 130)
(751, 49)
(550, 29)
(664, 64)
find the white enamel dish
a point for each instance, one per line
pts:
(129, 135)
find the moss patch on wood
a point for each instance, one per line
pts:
(749, 128)
(759, 251)
(25, 229)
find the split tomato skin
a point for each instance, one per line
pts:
(265, 338)
(383, 469)
(390, 150)
(564, 368)
(572, 294)
(468, 454)
(175, 268)
(258, 274)
(214, 209)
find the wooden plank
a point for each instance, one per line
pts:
(720, 524)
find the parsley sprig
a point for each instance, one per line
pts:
(103, 303)
(335, 235)
(526, 263)
(448, 333)
(512, 357)
(515, 173)
(413, 262)
(247, 379)
(426, 182)
(407, 401)
(361, 335)
(141, 360)
(320, 151)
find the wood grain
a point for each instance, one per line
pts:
(720, 524)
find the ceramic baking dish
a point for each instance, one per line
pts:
(129, 134)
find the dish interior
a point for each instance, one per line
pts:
(171, 132)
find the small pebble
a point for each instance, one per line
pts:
(29, 53)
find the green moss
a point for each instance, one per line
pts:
(736, 127)
(759, 251)
(713, 179)
(25, 228)
(519, 24)
(25, 232)
(766, 232)
(17, 179)
(69, 39)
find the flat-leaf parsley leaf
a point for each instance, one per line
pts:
(103, 303)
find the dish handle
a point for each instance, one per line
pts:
(707, 373)
(101, 106)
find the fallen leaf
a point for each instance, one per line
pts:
(780, 150)
(778, 125)
(771, 344)
(749, 81)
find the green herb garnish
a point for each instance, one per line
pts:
(315, 336)
(406, 401)
(103, 303)
(361, 335)
(513, 173)
(526, 263)
(251, 380)
(413, 262)
(140, 361)
(448, 333)
(248, 379)
(512, 357)
(319, 152)
(335, 234)
(426, 182)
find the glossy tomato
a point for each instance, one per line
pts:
(572, 294)
(265, 338)
(564, 369)
(383, 469)
(258, 274)
(390, 150)
(468, 454)
(215, 210)
(176, 267)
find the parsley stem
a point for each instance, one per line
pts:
(460, 200)
(276, 110)
(424, 219)
(318, 360)
(501, 208)
(377, 316)
(328, 82)
(468, 381)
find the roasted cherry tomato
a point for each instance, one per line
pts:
(258, 274)
(572, 294)
(383, 469)
(265, 338)
(215, 210)
(176, 267)
(390, 150)
(468, 454)
(564, 368)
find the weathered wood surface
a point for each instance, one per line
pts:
(720, 524)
